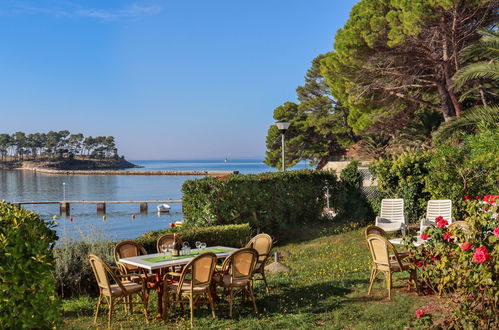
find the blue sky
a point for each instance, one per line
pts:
(169, 79)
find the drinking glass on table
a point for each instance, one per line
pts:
(187, 248)
(198, 246)
(203, 246)
(164, 249)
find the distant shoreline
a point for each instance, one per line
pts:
(67, 164)
(121, 172)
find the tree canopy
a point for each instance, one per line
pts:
(393, 57)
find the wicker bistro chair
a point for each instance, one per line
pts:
(386, 260)
(126, 249)
(436, 208)
(262, 243)
(392, 217)
(236, 275)
(166, 239)
(378, 231)
(193, 283)
(119, 293)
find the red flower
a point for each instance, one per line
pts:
(466, 246)
(466, 197)
(447, 236)
(425, 236)
(420, 313)
(441, 222)
(481, 254)
(477, 197)
(490, 199)
(435, 258)
(496, 232)
(419, 264)
(172, 225)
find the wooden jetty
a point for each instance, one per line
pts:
(129, 172)
(64, 206)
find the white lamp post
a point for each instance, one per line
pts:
(64, 191)
(283, 127)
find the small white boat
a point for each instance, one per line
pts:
(164, 208)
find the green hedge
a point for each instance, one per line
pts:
(269, 202)
(27, 286)
(229, 235)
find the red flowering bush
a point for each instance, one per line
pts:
(463, 261)
(441, 222)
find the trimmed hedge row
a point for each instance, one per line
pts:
(269, 202)
(27, 286)
(229, 235)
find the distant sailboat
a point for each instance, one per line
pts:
(226, 160)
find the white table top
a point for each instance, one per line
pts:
(150, 266)
(398, 241)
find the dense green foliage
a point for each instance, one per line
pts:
(403, 176)
(51, 144)
(269, 202)
(27, 286)
(393, 57)
(464, 262)
(227, 235)
(351, 203)
(447, 172)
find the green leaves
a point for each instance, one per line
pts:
(27, 285)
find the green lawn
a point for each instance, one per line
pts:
(326, 287)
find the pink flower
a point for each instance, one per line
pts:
(496, 232)
(419, 264)
(425, 236)
(420, 313)
(466, 246)
(481, 254)
(477, 197)
(466, 197)
(447, 236)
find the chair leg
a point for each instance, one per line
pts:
(374, 272)
(97, 309)
(389, 284)
(267, 291)
(144, 303)
(252, 297)
(111, 305)
(231, 299)
(212, 304)
(166, 302)
(191, 303)
(130, 299)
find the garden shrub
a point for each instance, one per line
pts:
(228, 235)
(270, 202)
(27, 285)
(352, 203)
(403, 176)
(73, 273)
(467, 169)
(465, 263)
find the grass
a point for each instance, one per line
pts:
(326, 287)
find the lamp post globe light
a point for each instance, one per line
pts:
(283, 127)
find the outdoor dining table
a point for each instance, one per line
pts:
(153, 263)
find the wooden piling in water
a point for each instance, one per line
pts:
(64, 208)
(143, 207)
(101, 208)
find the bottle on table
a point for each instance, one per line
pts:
(176, 246)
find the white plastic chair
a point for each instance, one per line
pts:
(436, 208)
(392, 216)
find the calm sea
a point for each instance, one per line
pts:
(122, 221)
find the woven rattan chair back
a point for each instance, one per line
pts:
(101, 272)
(375, 230)
(241, 264)
(379, 249)
(126, 249)
(201, 271)
(262, 243)
(166, 239)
